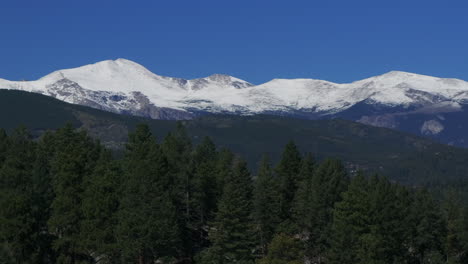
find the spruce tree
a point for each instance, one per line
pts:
(266, 204)
(381, 243)
(74, 159)
(203, 191)
(3, 146)
(224, 166)
(350, 221)
(177, 148)
(456, 242)
(231, 231)
(305, 206)
(283, 249)
(99, 206)
(287, 171)
(148, 228)
(43, 194)
(428, 227)
(328, 183)
(18, 236)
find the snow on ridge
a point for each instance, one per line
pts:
(220, 92)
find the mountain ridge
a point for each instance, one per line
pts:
(387, 100)
(401, 156)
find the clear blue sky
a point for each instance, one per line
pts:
(339, 41)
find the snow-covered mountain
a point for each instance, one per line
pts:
(124, 86)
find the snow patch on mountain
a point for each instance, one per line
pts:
(431, 127)
(125, 86)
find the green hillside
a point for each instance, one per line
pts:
(402, 157)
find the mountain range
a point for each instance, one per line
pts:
(401, 156)
(424, 105)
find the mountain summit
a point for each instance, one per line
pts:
(123, 86)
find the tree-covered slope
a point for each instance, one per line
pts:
(392, 153)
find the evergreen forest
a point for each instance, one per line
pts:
(65, 198)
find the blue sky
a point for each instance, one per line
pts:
(257, 41)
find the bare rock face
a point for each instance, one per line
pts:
(431, 127)
(387, 121)
(398, 100)
(134, 103)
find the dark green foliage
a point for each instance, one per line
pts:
(266, 205)
(231, 231)
(351, 221)
(177, 148)
(224, 164)
(43, 193)
(320, 190)
(147, 228)
(457, 233)
(283, 249)
(288, 177)
(3, 146)
(203, 193)
(74, 160)
(99, 206)
(428, 227)
(65, 199)
(402, 157)
(17, 231)
(304, 210)
(383, 239)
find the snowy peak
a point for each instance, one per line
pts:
(217, 81)
(111, 75)
(227, 80)
(102, 83)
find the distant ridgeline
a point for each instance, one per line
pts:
(419, 104)
(66, 199)
(402, 157)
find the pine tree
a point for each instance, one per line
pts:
(3, 146)
(403, 230)
(17, 232)
(203, 191)
(224, 166)
(328, 183)
(288, 176)
(428, 227)
(266, 204)
(283, 249)
(381, 244)
(304, 210)
(74, 159)
(457, 228)
(147, 218)
(99, 206)
(43, 195)
(350, 222)
(231, 231)
(177, 148)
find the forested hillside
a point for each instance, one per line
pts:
(401, 157)
(66, 199)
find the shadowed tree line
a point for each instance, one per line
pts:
(64, 198)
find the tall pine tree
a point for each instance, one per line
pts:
(99, 207)
(18, 235)
(147, 230)
(350, 222)
(231, 231)
(3, 146)
(266, 204)
(288, 175)
(203, 191)
(74, 159)
(428, 228)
